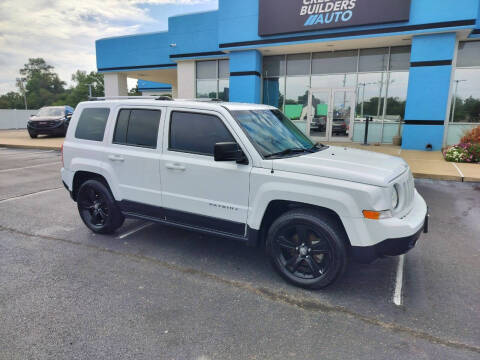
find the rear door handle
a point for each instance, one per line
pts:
(175, 166)
(116, 158)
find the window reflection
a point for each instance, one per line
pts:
(371, 90)
(296, 96)
(274, 92)
(466, 96)
(379, 75)
(213, 79)
(334, 81)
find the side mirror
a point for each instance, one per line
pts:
(229, 151)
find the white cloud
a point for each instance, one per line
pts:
(63, 32)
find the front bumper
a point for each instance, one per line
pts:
(50, 128)
(401, 234)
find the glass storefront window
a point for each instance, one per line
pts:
(213, 79)
(207, 89)
(468, 54)
(379, 75)
(274, 66)
(223, 89)
(334, 81)
(223, 69)
(400, 58)
(298, 64)
(373, 60)
(371, 89)
(466, 96)
(207, 69)
(274, 92)
(336, 62)
(296, 98)
(396, 96)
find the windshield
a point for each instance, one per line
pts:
(51, 111)
(273, 133)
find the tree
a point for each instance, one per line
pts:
(43, 86)
(11, 100)
(134, 91)
(80, 91)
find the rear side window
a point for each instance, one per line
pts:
(91, 124)
(196, 133)
(137, 127)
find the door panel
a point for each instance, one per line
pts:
(216, 192)
(136, 168)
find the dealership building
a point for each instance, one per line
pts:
(405, 67)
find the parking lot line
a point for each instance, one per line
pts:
(133, 231)
(28, 167)
(458, 169)
(397, 293)
(30, 194)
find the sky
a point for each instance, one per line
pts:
(63, 32)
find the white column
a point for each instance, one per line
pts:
(185, 80)
(115, 84)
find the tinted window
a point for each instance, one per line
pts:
(373, 60)
(468, 54)
(207, 69)
(298, 64)
(137, 127)
(334, 62)
(223, 69)
(273, 66)
(91, 124)
(120, 135)
(400, 58)
(196, 133)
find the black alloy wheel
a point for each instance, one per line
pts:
(302, 251)
(307, 248)
(97, 208)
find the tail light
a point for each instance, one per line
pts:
(61, 151)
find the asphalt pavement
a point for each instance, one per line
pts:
(151, 291)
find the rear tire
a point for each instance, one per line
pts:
(97, 208)
(307, 248)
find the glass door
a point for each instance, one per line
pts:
(318, 107)
(330, 114)
(342, 115)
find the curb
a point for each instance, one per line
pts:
(46, 147)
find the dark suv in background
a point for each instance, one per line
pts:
(50, 120)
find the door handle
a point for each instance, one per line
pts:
(115, 158)
(175, 166)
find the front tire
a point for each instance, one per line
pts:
(307, 248)
(32, 135)
(97, 208)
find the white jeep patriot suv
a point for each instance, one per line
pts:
(241, 171)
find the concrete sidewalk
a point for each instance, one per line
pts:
(424, 164)
(21, 139)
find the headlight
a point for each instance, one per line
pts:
(394, 197)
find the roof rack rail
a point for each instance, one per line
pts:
(208, 100)
(98, 98)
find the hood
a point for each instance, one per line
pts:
(46, 118)
(349, 164)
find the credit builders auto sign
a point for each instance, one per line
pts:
(289, 16)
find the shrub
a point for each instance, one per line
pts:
(463, 152)
(471, 136)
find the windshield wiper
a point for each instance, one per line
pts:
(289, 151)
